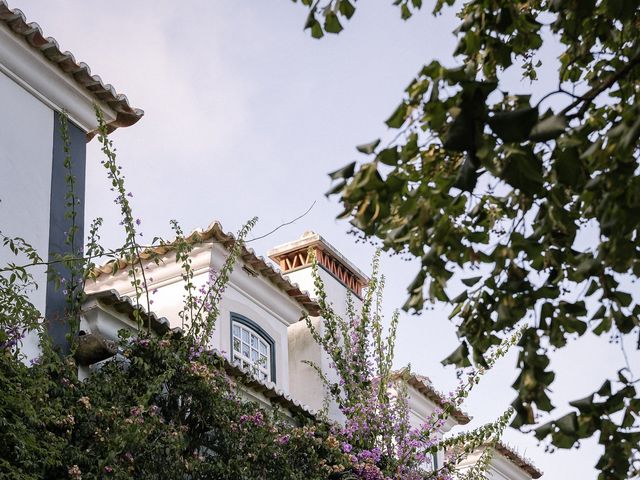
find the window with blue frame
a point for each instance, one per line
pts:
(252, 348)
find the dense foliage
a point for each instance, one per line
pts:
(541, 198)
(155, 411)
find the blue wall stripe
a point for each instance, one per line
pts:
(59, 225)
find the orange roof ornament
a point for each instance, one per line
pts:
(294, 256)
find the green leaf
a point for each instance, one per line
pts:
(469, 282)
(467, 175)
(344, 172)
(346, 8)
(311, 19)
(461, 134)
(568, 167)
(316, 30)
(604, 326)
(593, 288)
(331, 23)
(415, 301)
(514, 126)
(398, 117)
(568, 424)
(368, 148)
(336, 188)
(459, 357)
(523, 170)
(548, 129)
(631, 137)
(389, 156)
(622, 377)
(544, 430)
(605, 389)
(461, 298)
(583, 404)
(405, 13)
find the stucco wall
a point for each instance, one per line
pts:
(305, 382)
(252, 297)
(26, 139)
(26, 142)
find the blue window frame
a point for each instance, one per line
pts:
(252, 347)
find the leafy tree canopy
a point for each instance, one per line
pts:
(543, 203)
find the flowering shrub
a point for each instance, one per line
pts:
(149, 413)
(377, 434)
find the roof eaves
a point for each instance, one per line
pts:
(268, 389)
(126, 305)
(423, 385)
(214, 233)
(518, 460)
(126, 115)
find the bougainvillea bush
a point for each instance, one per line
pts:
(153, 411)
(377, 433)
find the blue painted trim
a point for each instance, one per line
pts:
(55, 308)
(236, 317)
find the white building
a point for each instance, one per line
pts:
(260, 325)
(38, 81)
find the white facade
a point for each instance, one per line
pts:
(247, 295)
(38, 82)
(26, 142)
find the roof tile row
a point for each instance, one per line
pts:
(80, 72)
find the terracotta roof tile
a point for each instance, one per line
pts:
(80, 72)
(424, 386)
(214, 233)
(518, 460)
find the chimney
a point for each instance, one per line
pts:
(341, 278)
(294, 262)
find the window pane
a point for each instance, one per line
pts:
(251, 350)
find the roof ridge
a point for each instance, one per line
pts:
(247, 254)
(518, 459)
(425, 387)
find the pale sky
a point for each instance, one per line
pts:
(244, 116)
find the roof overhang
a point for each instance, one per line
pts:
(215, 234)
(37, 63)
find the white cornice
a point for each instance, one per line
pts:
(32, 71)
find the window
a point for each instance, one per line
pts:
(252, 347)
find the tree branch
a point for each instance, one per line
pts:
(588, 97)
